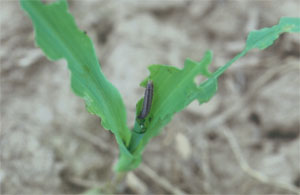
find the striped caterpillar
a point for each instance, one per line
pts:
(147, 100)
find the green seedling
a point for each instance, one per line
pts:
(169, 89)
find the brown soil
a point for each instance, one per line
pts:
(51, 145)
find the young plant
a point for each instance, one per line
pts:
(168, 89)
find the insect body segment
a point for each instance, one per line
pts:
(147, 100)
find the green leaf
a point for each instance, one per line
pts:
(290, 24)
(265, 37)
(174, 89)
(58, 36)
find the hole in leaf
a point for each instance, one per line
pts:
(199, 79)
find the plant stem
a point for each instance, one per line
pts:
(114, 185)
(222, 69)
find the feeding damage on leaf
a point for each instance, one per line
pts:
(57, 34)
